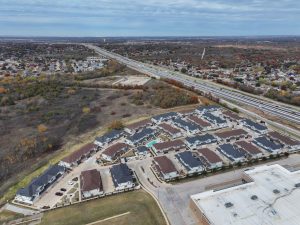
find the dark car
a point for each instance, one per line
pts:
(58, 193)
(63, 189)
(75, 179)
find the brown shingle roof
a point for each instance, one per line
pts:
(231, 133)
(75, 156)
(165, 164)
(169, 128)
(248, 147)
(199, 121)
(90, 180)
(232, 115)
(114, 149)
(285, 139)
(209, 155)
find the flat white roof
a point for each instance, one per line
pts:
(279, 208)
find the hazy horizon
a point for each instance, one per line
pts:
(133, 18)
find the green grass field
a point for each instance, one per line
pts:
(142, 207)
(8, 215)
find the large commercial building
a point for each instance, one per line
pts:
(270, 195)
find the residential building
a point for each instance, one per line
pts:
(142, 151)
(189, 127)
(164, 117)
(200, 122)
(90, 183)
(139, 137)
(76, 157)
(215, 120)
(164, 166)
(138, 126)
(165, 147)
(210, 158)
(108, 138)
(210, 108)
(232, 116)
(291, 144)
(232, 152)
(40, 184)
(251, 149)
(114, 151)
(170, 130)
(190, 162)
(122, 176)
(232, 134)
(268, 145)
(200, 140)
(256, 127)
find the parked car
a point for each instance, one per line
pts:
(58, 193)
(70, 182)
(63, 189)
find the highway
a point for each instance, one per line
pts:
(280, 110)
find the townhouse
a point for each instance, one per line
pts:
(232, 135)
(291, 144)
(40, 184)
(165, 147)
(269, 145)
(139, 137)
(232, 152)
(90, 183)
(138, 126)
(189, 127)
(78, 156)
(114, 151)
(200, 140)
(190, 162)
(122, 177)
(164, 117)
(251, 149)
(200, 122)
(210, 158)
(170, 130)
(165, 167)
(108, 138)
(256, 127)
(215, 120)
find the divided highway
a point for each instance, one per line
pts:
(289, 113)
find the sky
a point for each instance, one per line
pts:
(100, 18)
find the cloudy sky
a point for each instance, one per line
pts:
(149, 17)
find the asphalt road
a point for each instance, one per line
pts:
(287, 112)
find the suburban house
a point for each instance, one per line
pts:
(164, 166)
(190, 162)
(209, 108)
(165, 147)
(199, 140)
(136, 127)
(232, 116)
(164, 117)
(256, 127)
(209, 157)
(40, 184)
(232, 152)
(121, 176)
(170, 130)
(108, 137)
(139, 137)
(232, 134)
(267, 144)
(78, 156)
(90, 183)
(189, 127)
(291, 144)
(114, 151)
(215, 120)
(200, 122)
(251, 149)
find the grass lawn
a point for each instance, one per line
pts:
(6, 215)
(142, 207)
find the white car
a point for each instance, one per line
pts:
(70, 182)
